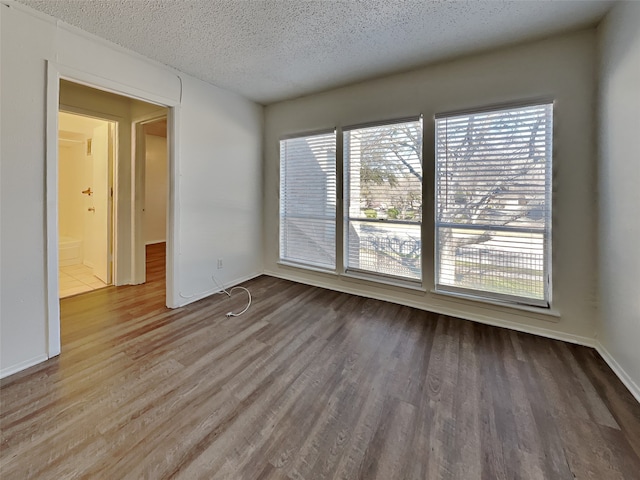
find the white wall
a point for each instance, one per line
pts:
(220, 189)
(24, 46)
(619, 187)
(562, 68)
(218, 164)
(155, 190)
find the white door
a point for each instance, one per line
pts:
(101, 225)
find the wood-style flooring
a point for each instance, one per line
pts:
(308, 384)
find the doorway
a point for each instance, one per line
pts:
(86, 151)
(120, 103)
(152, 187)
(101, 188)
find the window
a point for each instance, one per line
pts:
(308, 200)
(383, 188)
(493, 203)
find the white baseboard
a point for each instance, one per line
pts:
(18, 367)
(474, 317)
(631, 385)
(153, 242)
(228, 284)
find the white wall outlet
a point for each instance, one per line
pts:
(219, 263)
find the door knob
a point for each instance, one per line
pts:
(87, 191)
(91, 209)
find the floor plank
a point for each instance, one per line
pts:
(308, 384)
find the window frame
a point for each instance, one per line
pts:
(354, 272)
(308, 265)
(483, 295)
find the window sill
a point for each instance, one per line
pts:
(375, 279)
(549, 312)
(311, 268)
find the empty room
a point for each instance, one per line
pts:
(308, 239)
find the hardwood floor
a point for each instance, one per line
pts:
(308, 384)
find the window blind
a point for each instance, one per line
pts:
(383, 212)
(493, 203)
(308, 200)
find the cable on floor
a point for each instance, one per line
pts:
(231, 314)
(228, 293)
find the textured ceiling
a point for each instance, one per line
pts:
(270, 50)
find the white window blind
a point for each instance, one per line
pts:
(383, 212)
(308, 200)
(493, 203)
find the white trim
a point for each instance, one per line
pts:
(474, 317)
(18, 367)
(208, 293)
(173, 210)
(51, 211)
(308, 267)
(624, 377)
(380, 278)
(550, 312)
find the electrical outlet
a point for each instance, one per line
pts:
(219, 263)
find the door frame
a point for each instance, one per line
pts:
(55, 73)
(113, 216)
(138, 247)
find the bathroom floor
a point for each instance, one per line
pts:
(75, 279)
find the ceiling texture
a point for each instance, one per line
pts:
(272, 50)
